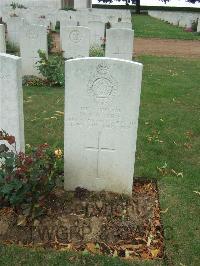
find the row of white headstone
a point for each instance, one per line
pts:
(16, 24)
(48, 3)
(51, 16)
(75, 42)
(177, 18)
(32, 39)
(102, 98)
(96, 28)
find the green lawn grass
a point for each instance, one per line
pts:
(168, 137)
(148, 27)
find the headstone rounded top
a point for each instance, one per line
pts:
(104, 59)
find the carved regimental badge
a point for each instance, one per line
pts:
(75, 36)
(102, 86)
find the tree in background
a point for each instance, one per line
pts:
(137, 2)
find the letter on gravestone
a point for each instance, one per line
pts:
(102, 98)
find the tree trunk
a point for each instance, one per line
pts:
(137, 6)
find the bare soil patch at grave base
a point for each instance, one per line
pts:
(166, 47)
(99, 223)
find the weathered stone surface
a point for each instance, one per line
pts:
(122, 25)
(11, 98)
(82, 3)
(101, 119)
(33, 38)
(76, 42)
(2, 39)
(14, 27)
(198, 26)
(97, 30)
(119, 43)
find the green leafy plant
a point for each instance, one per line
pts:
(96, 51)
(57, 27)
(11, 48)
(194, 25)
(67, 8)
(108, 25)
(15, 5)
(50, 42)
(27, 179)
(52, 68)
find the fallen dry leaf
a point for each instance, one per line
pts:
(127, 254)
(150, 238)
(59, 112)
(92, 248)
(154, 252)
(130, 246)
(165, 211)
(115, 254)
(197, 192)
(21, 221)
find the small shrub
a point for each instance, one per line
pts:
(188, 30)
(26, 180)
(96, 51)
(52, 68)
(50, 42)
(13, 5)
(57, 27)
(108, 25)
(11, 48)
(194, 25)
(67, 8)
(16, 5)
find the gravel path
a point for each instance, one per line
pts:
(165, 47)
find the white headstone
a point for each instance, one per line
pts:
(14, 27)
(102, 98)
(63, 24)
(119, 43)
(32, 39)
(122, 25)
(76, 42)
(2, 39)
(198, 25)
(11, 98)
(82, 3)
(97, 32)
(82, 17)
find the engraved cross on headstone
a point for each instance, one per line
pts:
(99, 149)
